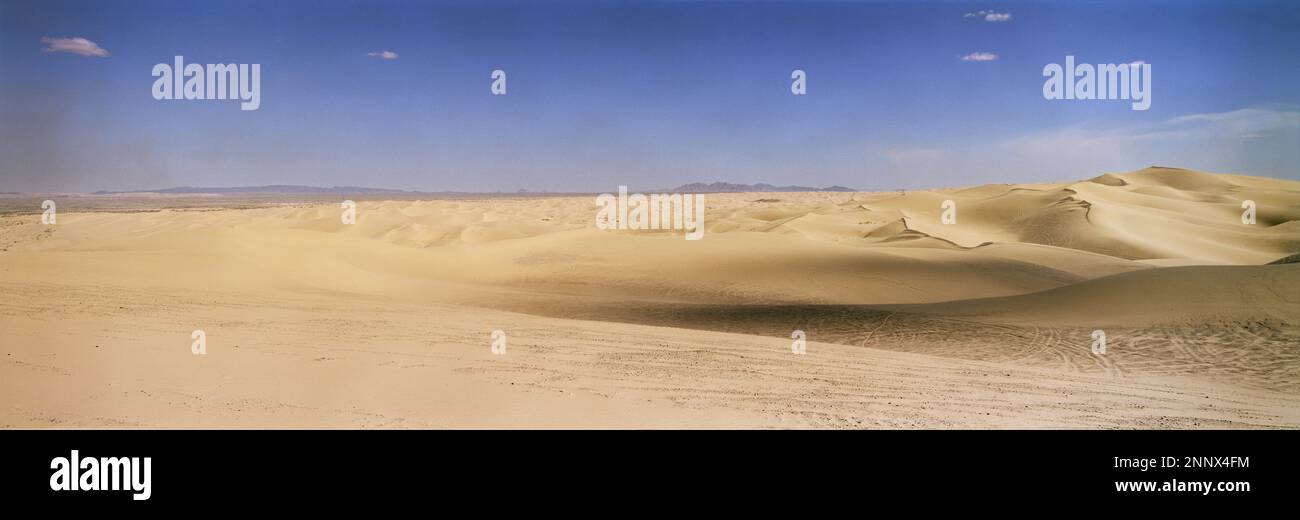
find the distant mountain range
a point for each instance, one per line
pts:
(277, 188)
(727, 187)
(294, 189)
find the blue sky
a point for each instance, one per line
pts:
(649, 95)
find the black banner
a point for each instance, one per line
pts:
(319, 468)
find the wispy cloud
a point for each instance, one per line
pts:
(980, 56)
(80, 46)
(1247, 123)
(990, 16)
(383, 55)
(1254, 141)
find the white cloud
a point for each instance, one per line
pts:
(383, 55)
(989, 16)
(980, 56)
(80, 46)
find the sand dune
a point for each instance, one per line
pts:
(1169, 296)
(914, 322)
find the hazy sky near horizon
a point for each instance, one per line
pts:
(645, 94)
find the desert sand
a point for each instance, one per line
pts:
(911, 322)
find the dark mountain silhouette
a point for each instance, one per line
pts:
(278, 188)
(727, 187)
